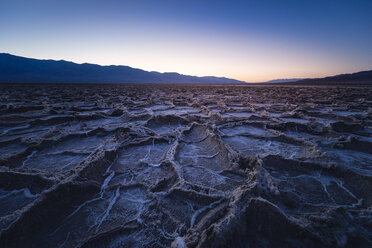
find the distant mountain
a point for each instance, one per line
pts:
(283, 80)
(15, 69)
(363, 77)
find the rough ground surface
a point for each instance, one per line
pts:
(195, 166)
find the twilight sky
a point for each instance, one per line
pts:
(248, 40)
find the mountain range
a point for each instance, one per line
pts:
(16, 69)
(362, 77)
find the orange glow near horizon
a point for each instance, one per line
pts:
(256, 62)
(253, 48)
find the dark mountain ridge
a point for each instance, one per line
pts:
(362, 77)
(16, 69)
(357, 77)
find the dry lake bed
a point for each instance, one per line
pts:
(185, 166)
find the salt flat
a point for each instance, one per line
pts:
(195, 165)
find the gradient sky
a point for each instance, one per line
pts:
(247, 40)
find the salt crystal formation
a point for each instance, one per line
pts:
(185, 166)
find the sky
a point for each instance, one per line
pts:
(248, 40)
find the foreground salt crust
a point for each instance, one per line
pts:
(185, 166)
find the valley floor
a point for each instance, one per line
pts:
(194, 165)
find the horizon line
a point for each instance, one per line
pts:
(170, 72)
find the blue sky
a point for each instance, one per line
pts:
(247, 40)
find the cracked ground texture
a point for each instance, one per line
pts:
(185, 166)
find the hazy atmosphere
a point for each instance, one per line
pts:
(245, 40)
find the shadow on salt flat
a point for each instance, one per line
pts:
(14, 199)
(305, 188)
(9, 149)
(109, 210)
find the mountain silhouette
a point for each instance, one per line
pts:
(16, 69)
(362, 77)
